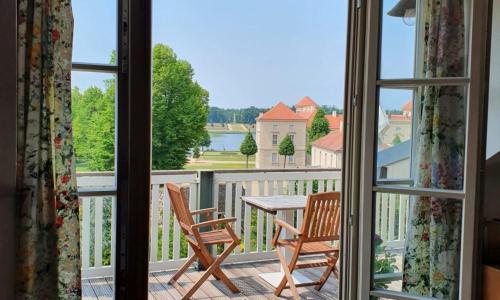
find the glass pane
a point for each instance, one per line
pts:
(417, 245)
(394, 133)
(421, 136)
(93, 108)
(243, 69)
(95, 31)
(420, 40)
(397, 44)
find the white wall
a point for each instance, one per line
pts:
(492, 167)
(493, 142)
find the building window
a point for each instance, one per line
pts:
(275, 127)
(291, 159)
(274, 158)
(292, 137)
(291, 127)
(275, 139)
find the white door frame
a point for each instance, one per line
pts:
(475, 82)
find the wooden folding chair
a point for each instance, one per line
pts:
(199, 241)
(321, 225)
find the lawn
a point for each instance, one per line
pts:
(209, 160)
(221, 160)
(226, 156)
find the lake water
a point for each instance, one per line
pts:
(226, 141)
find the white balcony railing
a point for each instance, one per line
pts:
(168, 249)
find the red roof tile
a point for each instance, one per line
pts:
(408, 106)
(308, 115)
(280, 112)
(334, 122)
(332, 141)
(306, 101)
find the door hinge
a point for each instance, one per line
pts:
(354, 101)
(359, 3)
(351, 217)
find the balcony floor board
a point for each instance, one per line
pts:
(245, 276)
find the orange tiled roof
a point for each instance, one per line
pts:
(306, 101)
(408, 106)
(332, 141)
(308, 115)
(334, 122)
(280, 112)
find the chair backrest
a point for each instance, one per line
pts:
(179, 205)
(322, 217)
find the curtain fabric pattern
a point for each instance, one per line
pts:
(432, 254)
(48, 247)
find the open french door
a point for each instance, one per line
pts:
(415, 69)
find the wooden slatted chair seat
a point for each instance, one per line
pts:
(311, 248)
(199, 242)
(212, 237)
(320, 228)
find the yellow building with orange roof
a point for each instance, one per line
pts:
(271, 127)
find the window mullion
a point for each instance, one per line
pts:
(89, 67)
(424, 192)
(405, 83)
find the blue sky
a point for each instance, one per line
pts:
(252, 52)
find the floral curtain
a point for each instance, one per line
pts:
(48, 249)
(432, 252)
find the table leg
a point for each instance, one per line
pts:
(275, 278)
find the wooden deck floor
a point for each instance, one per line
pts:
(244, 276)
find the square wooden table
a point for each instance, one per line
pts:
(284, 207)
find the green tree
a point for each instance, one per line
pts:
(286, 148)
(248, 146)
(196, 152)
(396, 140)
(94, 126)
(205, 140)
(319, 128)
(180, 109)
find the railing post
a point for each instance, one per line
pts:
(206, 186)
(206, 200)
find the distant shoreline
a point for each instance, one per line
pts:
(229, 127)
(225, 131)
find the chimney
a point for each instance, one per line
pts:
(334, 113)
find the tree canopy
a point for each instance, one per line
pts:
(396, 140)
(205, 140)
(179, 109)
(319, 128)
(94, 127)
(248, 146)
(286, 148)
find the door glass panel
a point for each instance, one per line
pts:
(421, 136)
(397, 43)
(394, 133)
(423, 40)
(93, 110)
(93, 120)
(95, 30)
(416, 241)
